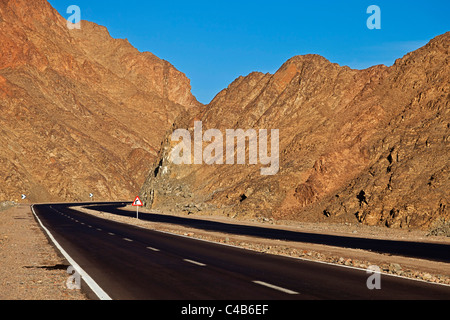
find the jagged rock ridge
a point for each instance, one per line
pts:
(355, 145)
(80, 112)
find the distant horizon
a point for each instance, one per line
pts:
(214, 43)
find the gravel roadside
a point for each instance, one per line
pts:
(30, 267)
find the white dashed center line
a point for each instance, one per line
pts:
(275, 287)
(195, 262)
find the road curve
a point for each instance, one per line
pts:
(421, 250)
(131, 263)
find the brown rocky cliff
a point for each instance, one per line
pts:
(355, 145)
(80, 112)
(406, 182)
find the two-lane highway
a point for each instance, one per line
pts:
(129, 262)
(421, 250)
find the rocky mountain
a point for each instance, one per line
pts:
(368, 146)
(80, 112)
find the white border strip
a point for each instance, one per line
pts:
(102, 295)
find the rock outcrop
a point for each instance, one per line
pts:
(80, 112)
(368, 146)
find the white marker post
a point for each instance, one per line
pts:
(137, 203)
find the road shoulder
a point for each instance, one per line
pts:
(30, 266)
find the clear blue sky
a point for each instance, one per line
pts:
(214, 42)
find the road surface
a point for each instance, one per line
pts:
(131, 263)
(422, 250)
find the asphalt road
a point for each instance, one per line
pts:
(131, 263)
(422, 250)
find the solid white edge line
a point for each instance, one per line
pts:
(102, 295)
(268, 285)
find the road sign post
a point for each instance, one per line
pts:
(137, 203)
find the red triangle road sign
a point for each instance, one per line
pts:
(137, 202)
